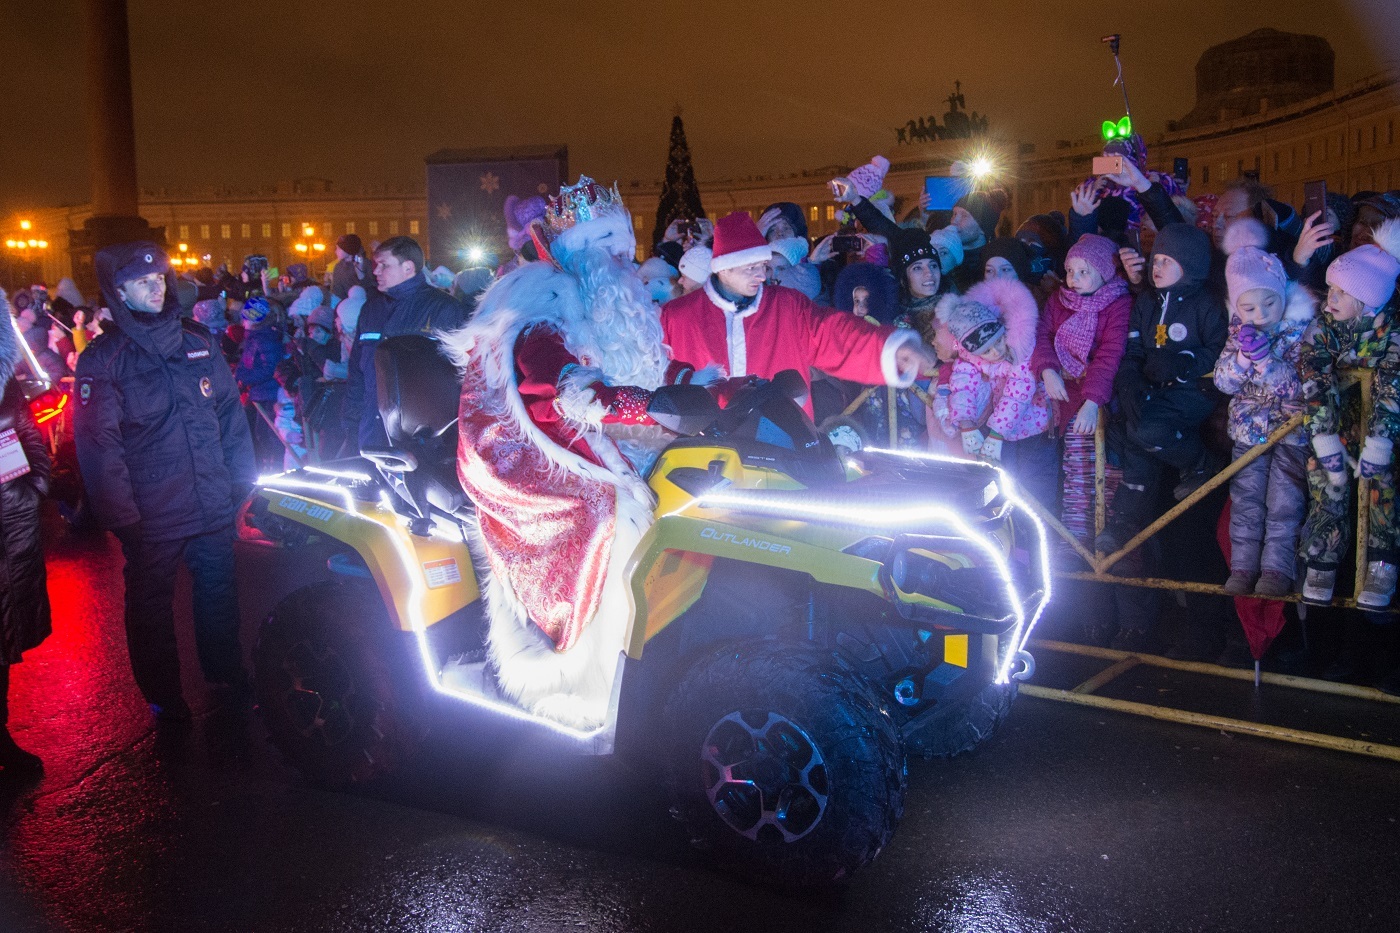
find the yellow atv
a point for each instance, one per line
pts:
(800, 618)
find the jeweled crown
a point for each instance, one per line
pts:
(580, 203)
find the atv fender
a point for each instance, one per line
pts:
(421, 580)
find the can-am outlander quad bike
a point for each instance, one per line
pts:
(800, 618)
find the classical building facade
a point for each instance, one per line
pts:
(293, 222)
(1289, 127)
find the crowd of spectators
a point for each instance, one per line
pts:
(1192, 330)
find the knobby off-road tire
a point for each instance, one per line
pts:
(325, 681)
(964, 725)
(783, 763)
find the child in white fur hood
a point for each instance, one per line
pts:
(995, 400)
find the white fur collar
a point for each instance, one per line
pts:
(727, 306)
(1300, 304)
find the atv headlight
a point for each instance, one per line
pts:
(975, 590)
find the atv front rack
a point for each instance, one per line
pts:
(966, 594)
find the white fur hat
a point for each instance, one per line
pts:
(611, 232)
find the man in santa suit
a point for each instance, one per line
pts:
(558, 364)
(751, 329)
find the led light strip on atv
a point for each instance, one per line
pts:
(1008, 487)
(415, 597)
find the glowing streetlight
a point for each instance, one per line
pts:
(25, 225)
(184, 247)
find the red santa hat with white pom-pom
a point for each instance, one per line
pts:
(738, 243)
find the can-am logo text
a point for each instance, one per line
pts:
(728, 537)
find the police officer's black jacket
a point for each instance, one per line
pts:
(162, 439)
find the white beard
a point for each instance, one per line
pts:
(619, 332)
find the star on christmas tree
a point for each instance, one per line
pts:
(680, 195)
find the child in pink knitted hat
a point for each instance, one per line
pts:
(1355, 333)
(1258, 367)
(1078, 346)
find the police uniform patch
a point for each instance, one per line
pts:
(197, 355)
(1177, 332)
(84, 390)
(206, 387)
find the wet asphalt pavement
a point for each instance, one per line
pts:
(1071, 819)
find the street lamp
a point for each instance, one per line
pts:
(22, 250)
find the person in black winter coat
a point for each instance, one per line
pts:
(410, 305)
(24, 597)
(166, 459)
(415, 306)
(1177, 330)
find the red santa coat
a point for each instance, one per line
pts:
(782, 329)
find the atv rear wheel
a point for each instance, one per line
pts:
(783, 763)
(962, 726)
(325, 685)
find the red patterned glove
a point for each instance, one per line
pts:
(624, 404)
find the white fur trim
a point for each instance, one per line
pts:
(741, 257)
(577, 401)
(1018, 312)
(1300, 304)
(901, 337)
(574, 687)
(736, 339)
(707, 375)
(738, 344)
(1387, 237)
(612, 232)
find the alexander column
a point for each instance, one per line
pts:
(111, 141)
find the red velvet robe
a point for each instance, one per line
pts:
(547, 531)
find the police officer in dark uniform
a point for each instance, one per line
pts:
(166, 459)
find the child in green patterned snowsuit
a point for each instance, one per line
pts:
(1356, 335)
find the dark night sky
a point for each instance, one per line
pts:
(359, 93)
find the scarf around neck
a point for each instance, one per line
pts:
(1074, 341)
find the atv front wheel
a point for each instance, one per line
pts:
(326, 689)
(783, 763)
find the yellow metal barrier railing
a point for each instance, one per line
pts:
(1101, 563)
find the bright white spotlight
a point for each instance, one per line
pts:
(981, 167)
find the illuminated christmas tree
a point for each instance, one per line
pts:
(680, 196)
